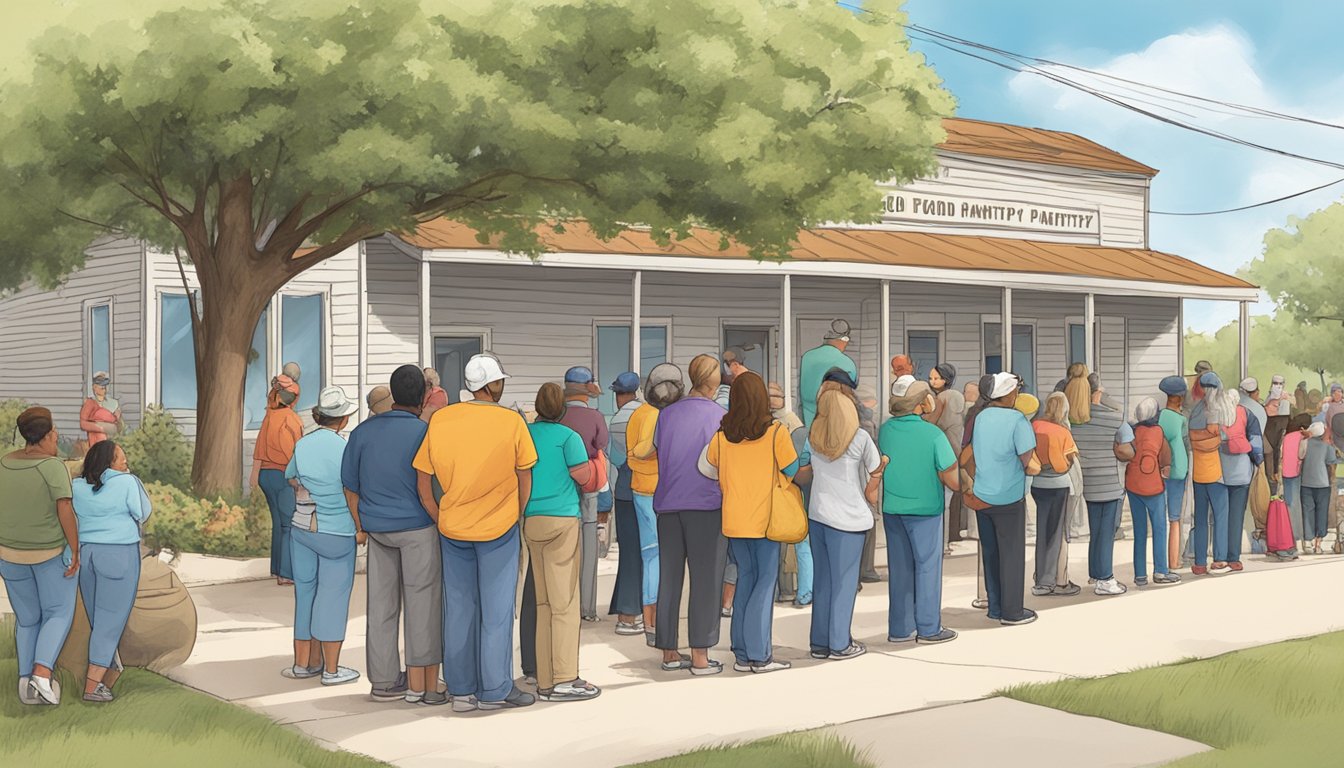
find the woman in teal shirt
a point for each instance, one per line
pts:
(110, 505)
(551, 526)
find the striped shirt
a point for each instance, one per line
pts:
(1103, 479)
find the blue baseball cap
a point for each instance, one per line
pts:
(1173, 385)
(626, 383)
(1210, 379)
(841, 376)
(579, 375)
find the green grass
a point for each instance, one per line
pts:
(791, 750)
(153, 722)
(1274, 705)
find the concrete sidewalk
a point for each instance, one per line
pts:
(245, 641)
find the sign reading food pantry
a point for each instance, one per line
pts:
(926, 208)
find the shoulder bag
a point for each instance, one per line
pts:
(788, 519)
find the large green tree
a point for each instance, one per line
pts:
(260, 137)
(1299, 270)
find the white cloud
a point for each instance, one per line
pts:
(1199, 172)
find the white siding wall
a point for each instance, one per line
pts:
(1120, 199)
(1152, 343)
(43, 359)
(394, 310)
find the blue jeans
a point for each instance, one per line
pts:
(1292, 495)
(280, 498)
(480, 580)
(837, 555)
(754, 600)
(1237, 497)
(1175, 500)
(44, 606)
(1149, 510)
(1210, 496)
(802, 551)
(324, 574)
(915, 574)
(109, 575)
(648, 547)
(1101, 517)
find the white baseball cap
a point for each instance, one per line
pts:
(1004, 383)
(482, 370)
(332, 401)
(901, 385)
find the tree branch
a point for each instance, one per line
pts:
(99, 224)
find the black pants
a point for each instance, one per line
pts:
(527, 625)
(1003, 544)
(694, 540)
(1050, 524)
(626, 596)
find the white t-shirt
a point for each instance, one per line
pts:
(837, 486)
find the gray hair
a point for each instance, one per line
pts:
(1146, 410)
(1222, 406)
(664, 386)
(431, 377)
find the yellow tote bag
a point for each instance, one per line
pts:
(788, 519)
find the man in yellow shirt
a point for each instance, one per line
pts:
(482, 455)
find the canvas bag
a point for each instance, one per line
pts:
(788, 518)
(1144, 473)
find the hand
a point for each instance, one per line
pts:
(361, 538)
(74, 564)
(603, 517)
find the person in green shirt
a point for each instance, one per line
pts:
(921, 464)
(551, 527)
(816, 362)
(1176, 428)
(39, 553)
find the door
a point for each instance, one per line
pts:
(755, 343)
(451, 354)
(1024, 352)
(922, 348)
(612, 344)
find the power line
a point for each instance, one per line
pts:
(1252, 205)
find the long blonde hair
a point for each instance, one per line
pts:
(1056, 410)
(836, 424)
(1079, 393)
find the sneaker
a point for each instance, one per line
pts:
(1041, 591)
(433, 698)
(1067, 590)
(1287, 555)
(772, 666)
(394, 691)
(514, 700)
(1110, 587)
(341, 676)
(1166, 578)
(100, 695)
(945, 636)
(1028, 616)
(630, 628)
(591, 619)
(1091, 581)
(871, 577)
(1140, 581)
(714, 668)
(803, 601)
(295, 672)
(529, 679)
(1235, 565)
(1199, 570)
(910, 638)
(821, 655)
(43, 690)
(575, 690)
(465, 703)
(650, 638)
(980, 603)
(741, 666)
(854, 651)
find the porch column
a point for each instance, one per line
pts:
(885, 362)
(786, 341)
(1180, 337)
(1089, 326)
(1244, 337)
(636, 308)
(363, 365)
(426, 340)
(1006, 324)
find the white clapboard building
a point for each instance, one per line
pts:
(1040, 232)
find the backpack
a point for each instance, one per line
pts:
(1144, 473)
(1237, 442)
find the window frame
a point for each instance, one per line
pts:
(86, 331)
(1073, 320)
(159, 295)
(773, 361)
(275, 338)
(942, 341)
(663, 322)
(1035, 343)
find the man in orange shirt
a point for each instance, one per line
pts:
(280, 431)
(483, 456)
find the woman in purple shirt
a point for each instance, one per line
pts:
(689, 508)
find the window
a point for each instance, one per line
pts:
(1024, 352)
(98, 340)
(177, 356)
(257, 384)
(451, 354)
(1078, 339)
(613, 357)
(301, 341)
(922, 348)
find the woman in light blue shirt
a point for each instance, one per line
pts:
(110, 505)
(322, 543)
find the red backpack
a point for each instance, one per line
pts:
(1144, 473)
(1237, 442)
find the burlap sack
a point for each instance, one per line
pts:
(1259, 499)
(160, 633)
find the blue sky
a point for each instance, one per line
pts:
(1281, 56)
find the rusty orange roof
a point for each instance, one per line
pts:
(876, 246)
(1036, 145)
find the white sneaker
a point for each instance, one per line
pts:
(771, 666)
(1041, 591)
(341, 676)
(465, 704)
(41, 691)
(26, 692)
(1110, 587)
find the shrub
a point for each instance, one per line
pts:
(9, 416)
(183, 523)
(157, 451)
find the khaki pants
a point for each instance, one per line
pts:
(553, 545)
